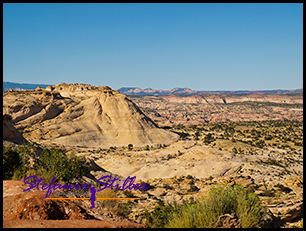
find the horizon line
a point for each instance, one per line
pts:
(170, 89)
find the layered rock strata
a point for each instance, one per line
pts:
(82, 115)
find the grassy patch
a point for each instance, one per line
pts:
(205, 212)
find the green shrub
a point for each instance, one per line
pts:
(161, 214)
(300, 225)
(193, 188)
(130, 146)
(249, 209)
(123, 209)
(209, 138)
(65, 168)
(11, 161)
(204, 213)
(16, 161)
(128, 194)
(184, 134)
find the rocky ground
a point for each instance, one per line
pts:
(280, 188)
(31, 210)
(211, 108)
(193, 153)
(175, 173)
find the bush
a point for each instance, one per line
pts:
(128, 194)
(184, 134)
(107, 193)
(221, 200)
(130, 146)
(123, 209)
(65, 168)
(204, 213)
(16, 161)
(193, 188)
(209, 138)
(161, 214)
(113, 206)
(11, 161)
(300, 225)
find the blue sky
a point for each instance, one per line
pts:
(200, 46)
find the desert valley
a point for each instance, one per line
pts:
(181, 146)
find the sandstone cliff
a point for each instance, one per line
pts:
(9, 131)
(82, 115)
(212, 108)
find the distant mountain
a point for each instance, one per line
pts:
(21, 86)
(150, 91)
(188, 91)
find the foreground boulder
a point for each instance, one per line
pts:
(32, 210)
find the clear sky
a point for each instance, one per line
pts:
(199, 46)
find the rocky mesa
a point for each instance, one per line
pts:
(212, 108)
(81, 115)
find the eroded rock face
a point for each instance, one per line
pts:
(9, 131)
(212, 108)
(82, 115)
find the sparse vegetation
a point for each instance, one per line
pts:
(283, 188)
(204, 213)
(115, 207)
(240, 137)
(130, 147)
(11, 162)
(161, 214)
(65, 167)
(255, 150)
(208, 138)
(16, 161)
